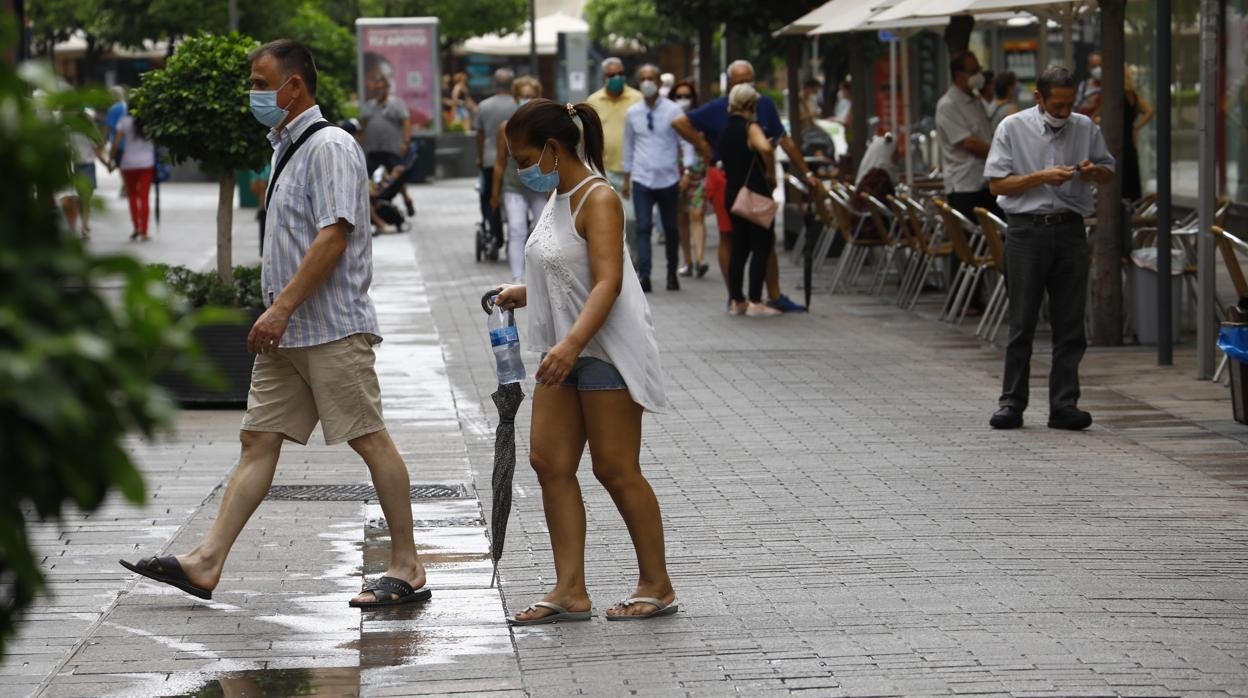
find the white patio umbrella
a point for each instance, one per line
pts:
(548, 29)
(833, 17)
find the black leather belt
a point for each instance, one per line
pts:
(1061, 218)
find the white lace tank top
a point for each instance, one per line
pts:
(558, 279)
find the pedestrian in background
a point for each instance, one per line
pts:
(524, 205)
(811, 105)
(491, 113)
(749, 162)
(116, 112)
(986, 93)
(387, 125)
(461, 100)
(88, 148)
(1043, 165)
(691, 217)
(612, 103)
(965, 134)
(600, 364)
(652, 156)
(1136, 113)
(702, 127)
(1088, 95)
(844, 101)
(136, 156)
(314, 342)
(666, 82)
(1005, 91)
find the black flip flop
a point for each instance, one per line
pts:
(391, 591)
(167, 571)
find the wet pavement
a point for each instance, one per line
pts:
(840, 521)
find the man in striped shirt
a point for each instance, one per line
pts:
(314, 342)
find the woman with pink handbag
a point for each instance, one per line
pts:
(749, 162)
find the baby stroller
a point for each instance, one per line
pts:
(486, 246)
(387, 185)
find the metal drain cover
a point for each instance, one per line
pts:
(357, 493)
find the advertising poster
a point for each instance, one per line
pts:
(404, 50)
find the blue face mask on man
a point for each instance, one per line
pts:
(264, 106)
(533, 177)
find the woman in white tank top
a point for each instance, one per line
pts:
(600, 364)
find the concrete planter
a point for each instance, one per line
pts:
(226, 347)
(457, 155)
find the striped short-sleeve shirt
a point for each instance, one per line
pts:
(325, 181)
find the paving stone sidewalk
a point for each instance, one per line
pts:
(840, 522)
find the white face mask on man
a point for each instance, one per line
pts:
(649, 88)
(1055, 122)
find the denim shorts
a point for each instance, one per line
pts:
(589, 373)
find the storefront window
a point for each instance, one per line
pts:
(1232, 151)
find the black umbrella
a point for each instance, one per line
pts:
(808, 252)
(507, 399)
(811, 224)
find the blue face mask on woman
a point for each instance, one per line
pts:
(264, 106)
(533, 177)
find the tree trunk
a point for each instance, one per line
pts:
(1106, 273)
(958, 33)
(793, 76)
(860, 58)
(225, 227)
(734, 44)
(706, 60)
(834, 53)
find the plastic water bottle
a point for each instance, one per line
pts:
(505, 341)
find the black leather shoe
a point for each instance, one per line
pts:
(1071, 418)
(1006, 418)
(645, 284)
(673, 284)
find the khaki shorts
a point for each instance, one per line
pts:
(333, 383)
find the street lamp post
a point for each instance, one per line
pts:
(1163, 71)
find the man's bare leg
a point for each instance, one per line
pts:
(247, 487)
(390, 478)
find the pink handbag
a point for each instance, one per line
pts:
(756, 208)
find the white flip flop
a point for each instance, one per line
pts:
(559, 615)
(660, 608)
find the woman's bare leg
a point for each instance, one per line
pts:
(557, 441)
(697, 233)
(613, 427)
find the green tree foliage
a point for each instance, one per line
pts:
(197, 107)
(638, 20)
(332, 44)
(76, 368)
(131, 22)
(457, 19)
(55, 20)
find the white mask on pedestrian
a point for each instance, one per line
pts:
(1055, 122)
(976, 82)
(1095, 73)
(649, 88)
(684, 103)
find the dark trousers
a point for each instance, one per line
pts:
(493, 217)
(755, 243)
(966, 203)
(1039, 259)
(644, 200)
